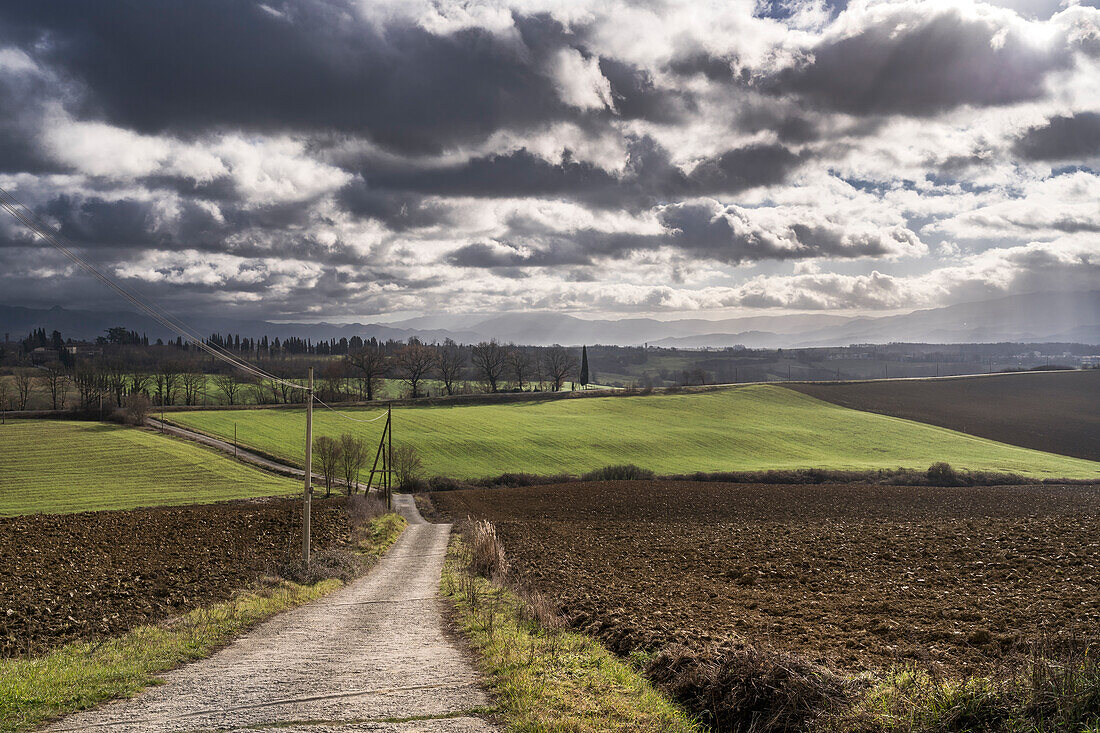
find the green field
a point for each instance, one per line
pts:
(60, 466)
(748, 428)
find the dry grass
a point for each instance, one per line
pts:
(742, 688)
(545, 679)
(486, 551)
(1055, 688)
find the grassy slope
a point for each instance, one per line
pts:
(748, 428)
(57, 466)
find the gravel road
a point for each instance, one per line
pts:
(372, 656)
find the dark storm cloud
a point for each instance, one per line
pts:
(718, 69)
(649, 177)
(398, 210)
(118, 229)
(636, 96)
(729, 235)
(1062, 138)
(915, 63)
(95, 223)
(21, 98)
(181, 67)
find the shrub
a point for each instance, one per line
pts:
(135, 408)
(941, 474)
(513, 480)
(625, 472)
(444, 483)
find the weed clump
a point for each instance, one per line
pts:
(486, 551)
(331, 562)
(744, 688)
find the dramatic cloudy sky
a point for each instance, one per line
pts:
(344, 158)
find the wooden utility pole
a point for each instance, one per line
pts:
(389, 462)
(307, 493)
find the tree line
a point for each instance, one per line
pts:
(171, 376)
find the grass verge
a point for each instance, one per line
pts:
(1057, 688)
(81, 675)
(546, 679)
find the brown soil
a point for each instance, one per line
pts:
(851, 576)
(80, 576)
(1048, 411)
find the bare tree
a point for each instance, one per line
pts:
(115, 379)
(413, 364)
(332, 377)
(193, 385)
(328, 452)
(54, 381)
(520, 367)
(450, 363)
(560, 365)
(89, 382)
(5, 395)
(139, 383)
(489, 359)
(372, 366)
(272, 386)
(229, 387)
(407, 467)
(24, 383)
(353, 454)
(169, 373)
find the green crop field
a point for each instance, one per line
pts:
(59, 466)
(747, 428)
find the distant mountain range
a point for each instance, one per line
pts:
(1036, 317)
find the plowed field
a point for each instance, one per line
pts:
(1048, 411)
(851, 576)
(81, 576)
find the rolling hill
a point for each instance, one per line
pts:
(748, 428)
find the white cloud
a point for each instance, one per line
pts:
(580, 82)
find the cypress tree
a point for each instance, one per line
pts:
(584, 366)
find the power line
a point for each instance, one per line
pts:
(346, 416)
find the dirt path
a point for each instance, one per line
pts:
(227, 447)
(372, 656)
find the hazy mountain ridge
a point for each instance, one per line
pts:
(1038, 317)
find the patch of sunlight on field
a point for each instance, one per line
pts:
(756, 427)
(57, 466)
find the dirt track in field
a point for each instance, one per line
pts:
(68, 577)
(852, 576)
(1049, 411)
